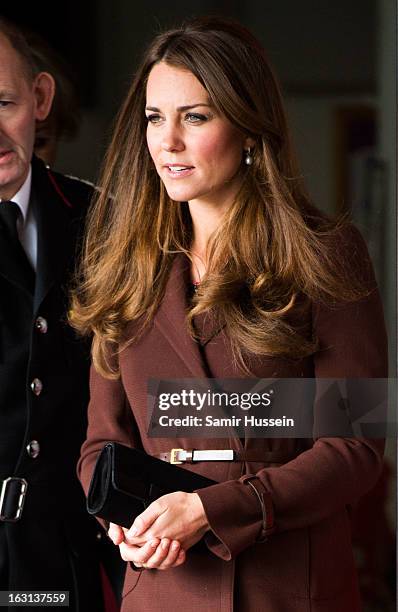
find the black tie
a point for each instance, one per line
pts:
(9, 214)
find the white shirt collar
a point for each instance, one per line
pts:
(22, 197)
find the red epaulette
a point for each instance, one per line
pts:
(58, 189)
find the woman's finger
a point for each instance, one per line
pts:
(138, 555)
(115, 533)
(172, 555)
(145, 519)
(182, 555)
(159, 556)
(175, 557)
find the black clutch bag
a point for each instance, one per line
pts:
(125, 481)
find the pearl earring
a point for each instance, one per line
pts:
(248, 157)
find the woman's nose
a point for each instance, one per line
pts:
(172, 140)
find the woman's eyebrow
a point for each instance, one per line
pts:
(180, 109)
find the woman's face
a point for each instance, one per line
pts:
(196, 151)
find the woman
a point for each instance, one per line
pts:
(204, 258)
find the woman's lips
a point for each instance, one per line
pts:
(177, 171)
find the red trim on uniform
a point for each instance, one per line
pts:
(110, 603)
(58, 189)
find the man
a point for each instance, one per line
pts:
(47, 540)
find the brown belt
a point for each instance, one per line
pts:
(180, 455)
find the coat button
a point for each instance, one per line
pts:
(41, 325)
(33, 449)
(37, 386)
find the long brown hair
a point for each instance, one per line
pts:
(271, 247)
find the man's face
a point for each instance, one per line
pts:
(19, 108)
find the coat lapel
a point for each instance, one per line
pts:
(171, 322)
(54, 232)
(171, 318)
(207, 328)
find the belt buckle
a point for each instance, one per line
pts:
(6, 486)
(174, 456)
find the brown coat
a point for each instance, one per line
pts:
(306, 565)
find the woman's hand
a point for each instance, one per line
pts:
(162, 533)
(154, 554)
(175, 516)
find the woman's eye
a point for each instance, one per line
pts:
(155, 118)
(4, 103)
(195, 118)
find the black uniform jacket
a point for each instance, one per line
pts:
(43, 400)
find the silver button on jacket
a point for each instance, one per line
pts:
(41, 325)
(33, 449)
(37, 386)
